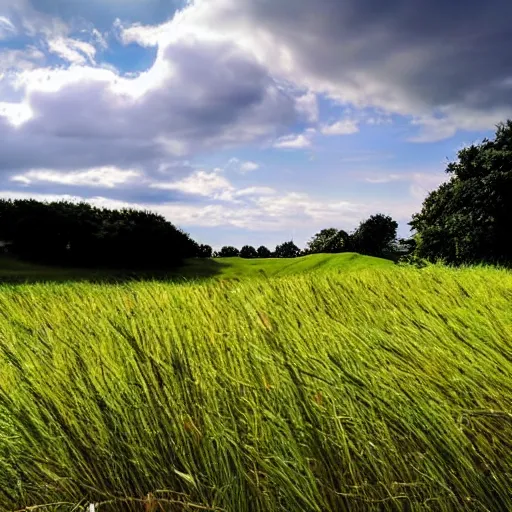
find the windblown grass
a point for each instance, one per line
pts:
(382, 389)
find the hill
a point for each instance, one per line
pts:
(16, 271)
(272, 267)
(379, 389)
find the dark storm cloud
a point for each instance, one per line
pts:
(406, 55)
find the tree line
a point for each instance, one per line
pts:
(376, 236)
(71, 234)
(467, 220)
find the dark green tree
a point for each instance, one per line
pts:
(468, 219)
(375, 235)
(287, 250)
(64, 233)
(264, 252)
(248, 252)
(330, 240)
(204, 251)
(228, 252)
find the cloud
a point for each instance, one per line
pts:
(202, 183)
(343, 127)
(249, 167)
(20, 59)
(242, 167)
(307, 105)
(255, 191)
(209, 199)
(420, 183)
(299, 141)
(107, 177)
(147, 36)
(384, 179)
(195, 97)
(72, 50)
(22, 18)
(7, 29)
(412, 60)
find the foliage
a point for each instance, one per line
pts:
(228, 252)
(330, 240)
(264, 252)
(287, 250)
(382, 389)
(413, 260)
(468, 218)
(407, 245)
(65, 233)
(204, 251)
(248, 252)
(375, 235)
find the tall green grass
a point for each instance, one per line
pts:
(382, 389)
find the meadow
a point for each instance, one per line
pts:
(17, 271)
(330, 384)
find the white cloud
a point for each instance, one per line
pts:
(307, 104)
(72, 50)
(263, 209)
(195, 97)
(25, 59)
(343, 127)
(99, 38)
(242, 167)
(388, 178)
(255, 191)
(420, 183)
(7, 29)
(15, 113)
(293, 142)
(248, 167)
(108, 177)
(147, 36)
(202, 183)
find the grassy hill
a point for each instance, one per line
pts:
(13, 270)
(272, 267)
(385, 388)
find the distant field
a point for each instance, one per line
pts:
(15, 271)
(384, 388)
(271, 267)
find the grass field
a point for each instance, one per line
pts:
(16, 271)
(383, 388)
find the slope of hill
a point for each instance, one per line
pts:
(271, 267)
(12, 270)
(381, 389)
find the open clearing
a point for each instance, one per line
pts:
(383, 388)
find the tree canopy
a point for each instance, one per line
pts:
(287, 250)
(468, 219)
(375, 236)
(204, 251)
(228, 252)
(66, 233)
(330, 240)
(248, 251)
(264, 252)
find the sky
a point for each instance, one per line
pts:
(248, 121)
